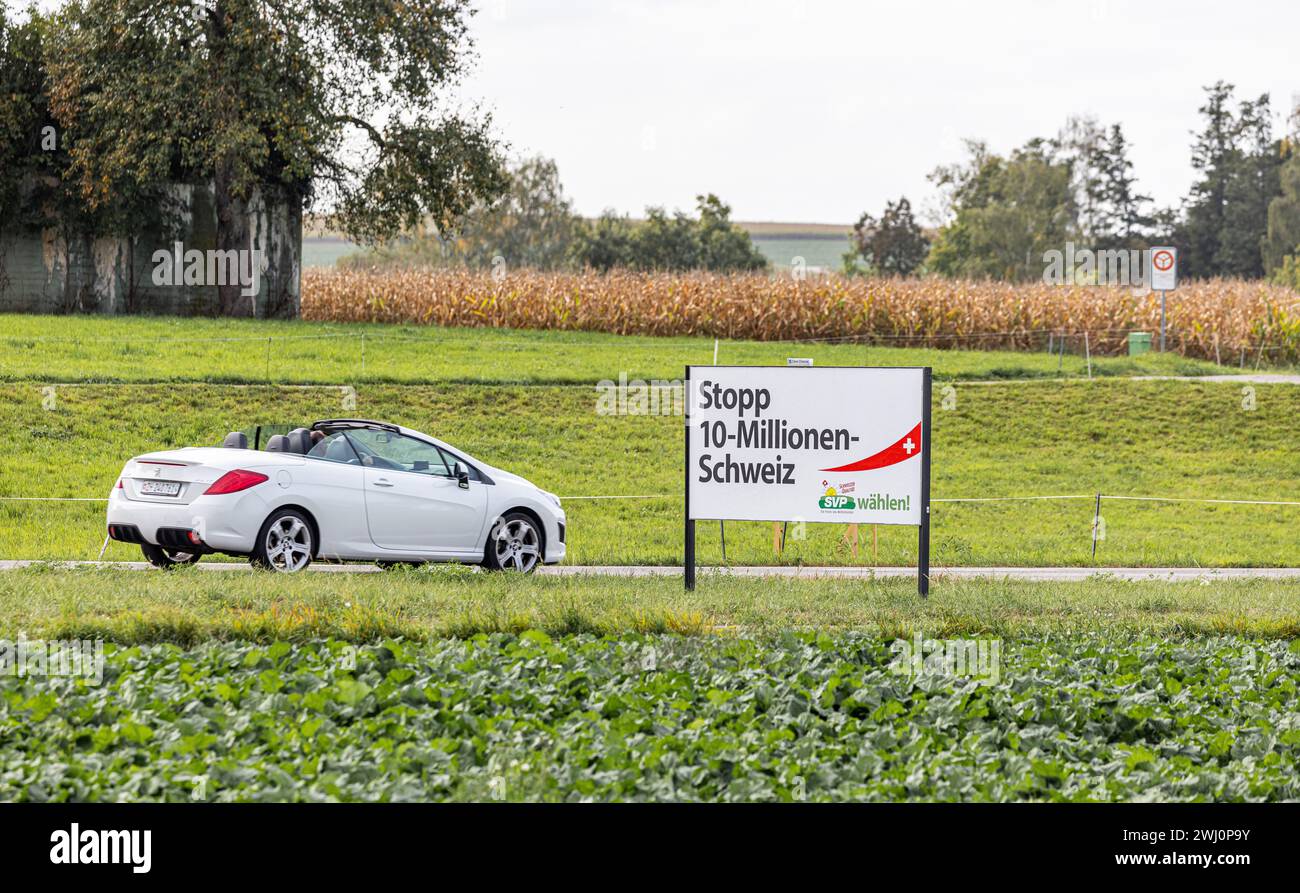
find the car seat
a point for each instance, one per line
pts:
(236, 440)
(299, 440)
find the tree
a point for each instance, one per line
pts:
(531, 224)
(1211, 159)
(36, 189)
(723, 245)
(1005, 213)
(1253, 184)
(1237, 161)
(660, 242)
(1282, 239)
(330, 100)
(1111, 213)
(892, 246)
(1081, 144)
(1124, 221)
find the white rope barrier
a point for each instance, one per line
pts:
(1104, 496)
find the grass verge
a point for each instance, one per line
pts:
(188, 606)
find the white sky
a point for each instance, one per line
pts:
(815, 110)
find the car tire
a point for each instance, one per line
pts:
(167, 558)
(514, 544)
(286, 543)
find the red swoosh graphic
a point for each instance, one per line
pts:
(890, 455)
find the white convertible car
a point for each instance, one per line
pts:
(344, 489)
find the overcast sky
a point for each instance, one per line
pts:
(814, 111)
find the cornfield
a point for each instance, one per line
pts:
(1217, 319)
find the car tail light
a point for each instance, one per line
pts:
(234, 481)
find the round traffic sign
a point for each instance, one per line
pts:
(1163, 260)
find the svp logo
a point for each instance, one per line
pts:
(833, 501)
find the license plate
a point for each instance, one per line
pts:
(160, 488)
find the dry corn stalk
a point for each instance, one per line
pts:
(1252, 318)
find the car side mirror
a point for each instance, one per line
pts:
(462, 476)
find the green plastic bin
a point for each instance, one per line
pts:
(1138, 343)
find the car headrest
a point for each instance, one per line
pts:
(300, 441)
(278, 443)
(236, 440)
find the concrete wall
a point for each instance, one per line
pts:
(56, 272)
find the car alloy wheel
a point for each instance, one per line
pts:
(516, 545)
(286, 544)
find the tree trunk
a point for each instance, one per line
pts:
(232, 235)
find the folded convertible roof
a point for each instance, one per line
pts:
(352, 423)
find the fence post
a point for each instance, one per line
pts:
(1096, 526)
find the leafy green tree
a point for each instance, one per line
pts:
(891, 246)
(724, 245)
(1282, 240)
(37, 191)
(531, 224)
(1005, 213)
(604, 243)
(660, 242)
(331, 100)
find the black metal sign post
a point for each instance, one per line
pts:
(923, 536)
(686, 508)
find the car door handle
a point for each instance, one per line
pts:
(383, 482)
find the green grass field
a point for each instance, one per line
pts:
(1143, 438)
(58, 349)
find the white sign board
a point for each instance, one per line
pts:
(831, 444)
(1164, 269)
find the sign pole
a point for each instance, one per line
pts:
(1162, 321)
(689, 563)
(923, 536)
(1164, 279)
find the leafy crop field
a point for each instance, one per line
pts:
(528, 717)
(1238, 316)
(1146, 438)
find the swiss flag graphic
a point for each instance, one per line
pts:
(901, 450)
